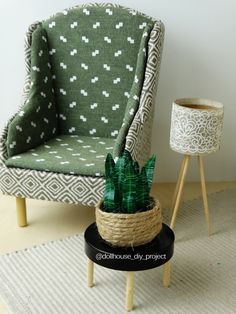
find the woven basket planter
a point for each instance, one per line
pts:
(129, 229)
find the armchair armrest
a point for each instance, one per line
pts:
(26, 88)
(36, 121)
(135, 92)
(138, 139)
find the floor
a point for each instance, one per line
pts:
(51, 220)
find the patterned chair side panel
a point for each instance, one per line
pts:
(138, 140)
(49, 186)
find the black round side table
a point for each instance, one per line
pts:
(153, 254)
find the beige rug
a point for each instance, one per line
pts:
(51, 278)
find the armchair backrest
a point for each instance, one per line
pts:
(97, 55)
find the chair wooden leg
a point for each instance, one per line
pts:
(204, 193)
(129, 291)
(166, 274)
(90, 273)
(179, 193)
(21, 212)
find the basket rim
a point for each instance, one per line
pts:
(124, 215)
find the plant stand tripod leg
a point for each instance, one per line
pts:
(90, 273)
(178, 182)
(179, 194)
(166, 274)
(204, 193)
(21, 212)
(129, 291)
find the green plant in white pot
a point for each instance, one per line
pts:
(128, 215)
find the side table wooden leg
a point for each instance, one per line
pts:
(90, 273)
(129, 291)
(166, 274)
(179, 194)
(204, 193)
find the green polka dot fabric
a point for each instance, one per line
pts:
(36, 122)
(87, 72)
(72, 154)
(94, 54)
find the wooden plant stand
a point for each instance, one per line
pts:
(98, 251)
(179, 190)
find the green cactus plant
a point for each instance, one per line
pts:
(127, 188)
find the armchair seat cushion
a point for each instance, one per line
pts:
(69, 154)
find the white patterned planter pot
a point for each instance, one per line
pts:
(196, 126)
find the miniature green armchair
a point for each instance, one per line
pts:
(90, 87)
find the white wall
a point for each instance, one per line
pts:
(199, 60)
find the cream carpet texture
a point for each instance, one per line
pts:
(51, 278)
